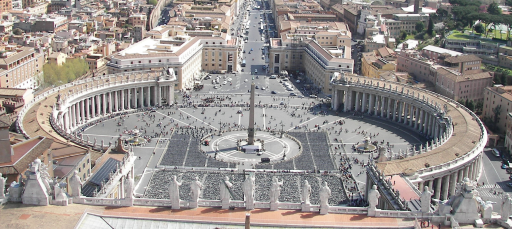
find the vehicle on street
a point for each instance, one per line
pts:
(313, 96)
(285, 79)
(298, 81)
(281, 103)
(293, 94)
(225, 82)
(504, 166)
(255, 71)
(251, 49)
(509, 185)
(257, 87)
(245, 80)
(273, 92)
(273, 77)
(496, 152)
(215, 87)
(301, 96)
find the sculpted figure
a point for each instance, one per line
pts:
(306, 191)
(2, 186)
(249, 186)
(76, 185)
(275, 190)
(174, 192)
(425, 200)
(373, 197)
(506, 205)
(225, 185)
(195, 189)
(325, 193)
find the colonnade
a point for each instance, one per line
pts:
(396, 108)
(78, 111)
(444, 186)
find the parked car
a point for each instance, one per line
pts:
(273, 92)
(293, 94)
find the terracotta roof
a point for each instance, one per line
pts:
(24, 154)
(462, 58)
(458, 77)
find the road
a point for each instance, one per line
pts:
(493, 180)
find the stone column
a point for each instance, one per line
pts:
(155, 101)
(357, 101)
(411, 115)
(394, 116)
(122, 100)
(400, 111)
(437, 193)
(141, 98)
(388, 111)
(110, 103)
(377, 105)
(82, 112)
(446, 183)
(453, 182)
(159, 94)
(460, 175)
(64, 122)
(250, 130)
(431, 185)
(363, 110)
(116, 101)
(170, 94)
(87, 109)
(148, 96)
(382, 101)
(420, 186)
(98, 104)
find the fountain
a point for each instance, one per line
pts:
(136, 140)
(367, 146)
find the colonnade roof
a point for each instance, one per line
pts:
(468, 131)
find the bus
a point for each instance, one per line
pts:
(243, 63)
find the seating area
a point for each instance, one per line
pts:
(183, 150)
(307, 160)
(290, 191)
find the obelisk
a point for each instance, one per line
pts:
(250, 130)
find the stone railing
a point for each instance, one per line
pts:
(386, 187)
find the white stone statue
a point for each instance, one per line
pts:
(275, 190)
(425, 200)
(2, 186)
(195, 189)
(59, 194)
(128, 188)
(174, 192)
(373, 197)
(225, 185)
(325, 193)
(249, 187)
(76, 185)
(506, 205)
(306, 191)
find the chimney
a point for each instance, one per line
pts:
(379, 18)
(417, 6)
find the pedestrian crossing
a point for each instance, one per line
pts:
(490, 190)
(501, 186)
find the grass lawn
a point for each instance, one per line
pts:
(459, 36)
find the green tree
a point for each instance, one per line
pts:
(496, 111)
(494, 9)
(17, 31)
(470, 105)
(420, 26)
(508, 2)
(430, 27)
(55, 75)
(153, 2)
(479, 28)
(403, 35)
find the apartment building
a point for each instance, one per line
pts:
(297, 53)
(21, 67)
(435, 53)
(501, 96)
(5, 6)
(138, 20)
(486, 49)
(421, 68)
(505, 56)
(466, 86)
(219, 54)
(375, 63)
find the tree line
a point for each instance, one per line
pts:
(55, 75)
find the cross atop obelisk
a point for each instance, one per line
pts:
(250, 131)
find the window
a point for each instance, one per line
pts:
(213, 65)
